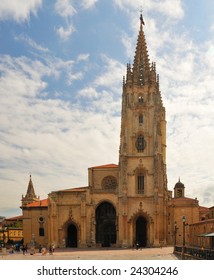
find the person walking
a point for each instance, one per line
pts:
(23, 249)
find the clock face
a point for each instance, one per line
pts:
(140, 143)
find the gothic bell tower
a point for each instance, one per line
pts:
(142, 156)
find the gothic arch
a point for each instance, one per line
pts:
(71, 231)
(105, 216)
(103, 201)
(140, 212)
(141, 224)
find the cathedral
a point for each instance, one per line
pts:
(124, 203)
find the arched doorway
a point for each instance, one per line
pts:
(141, 231)
(71, 236)
(106, 224)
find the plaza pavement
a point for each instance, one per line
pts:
(164, 253)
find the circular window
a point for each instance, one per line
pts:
(41, 219)
(109, 183)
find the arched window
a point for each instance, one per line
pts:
(140, 184)
(41, 231)
(140, 143)
(140, 119)
(140, 99)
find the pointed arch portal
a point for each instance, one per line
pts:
(141, 231)
(106, 224)
(71, 236)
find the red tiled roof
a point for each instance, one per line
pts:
(15, 218)
(40, 203)
(80, 189)
(111, 165)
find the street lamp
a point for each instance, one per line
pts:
(33, 239)
(175, 233)
(4, 230)
(184, 241)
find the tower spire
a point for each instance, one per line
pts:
(30, 189)
(30, 194)
(141, 66)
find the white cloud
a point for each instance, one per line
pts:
(111, 74)
(186, 82)
(89, 92)
(18, 10)
(65, 32)
(30, 42)
(83, 57)
(51, 138)
(65, 8)
(169, 8)
(87, 4)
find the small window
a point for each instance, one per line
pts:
(140, 99)
(41, 231)
(140, 184)
(140, 119)
(179, 193)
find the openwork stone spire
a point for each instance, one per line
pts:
(141, 65)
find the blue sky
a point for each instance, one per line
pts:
(61, 69)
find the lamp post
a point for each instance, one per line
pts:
(184, 241)
(33, 239)
(175, 233)
(4, 230)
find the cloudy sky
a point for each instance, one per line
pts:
(61, 69)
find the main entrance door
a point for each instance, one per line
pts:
(106, 224)
(141, 231)
(71, 236)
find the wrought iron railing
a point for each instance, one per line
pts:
(194, 253)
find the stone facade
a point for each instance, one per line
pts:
(127, 203)
(35, 222)
(202, 234)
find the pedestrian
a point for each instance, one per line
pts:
(23, 249)
(44, 251)
(51, 249)
(32, 250)
(12, 249)
(137, 246)
(40, 248)
(26, 248)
